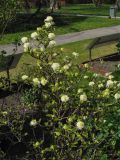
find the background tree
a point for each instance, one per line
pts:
(97, 3)
(55, 4)
(8, 10)
(118, 4)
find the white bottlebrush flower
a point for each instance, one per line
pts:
(66, 67)
(117, 96)
(36, 145)
(52, 43)
(51, 36)
(24, 77)
(86, 65)
(118, 85)
(42, 49)
(118, 65)
(83, 98)
(34, 35)
(106, 93)
(64, 98)
(85, 77)
(48, 24)
(91, 84)
(109, 83)
(4, 113)
(49, 19)
(62, 49)
(33, 122)
(75, 54)
(107, 74)
(39, 29)
(36, 81)
(100, 85)
(80, 125)
(95, 75)
(43, 81)
(26, 47)
(54, 54)
(55, 66)
(110, 77)
(70, 64)
(24, 39)
(80, 90)
(115, 82)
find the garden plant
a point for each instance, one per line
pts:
(65, 111)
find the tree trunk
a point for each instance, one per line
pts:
(54, 4)
(97, 3)
(118, 4)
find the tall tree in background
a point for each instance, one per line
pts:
(97, 3)
(8, 10)
(118, 4)
(55, 4)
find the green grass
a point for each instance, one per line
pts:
(10, 38)
(87, 9)
(64, 24)
(79, 47)
(77, 24)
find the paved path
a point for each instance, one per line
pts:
(84, 15)
(73, 37)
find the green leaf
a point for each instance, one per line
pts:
(104, 157)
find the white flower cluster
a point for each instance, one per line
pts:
(117, 96)
(83, 98)
(33, 122)
(75, 54)
(55, 67)
(80, 125)
(26, 44)
(52, 43)
(24, 40)
(80, 90)
(91, 84)
(36, 81)
(66, 67)
(42, 81)
(64, 98)
(34, 35)
(24, 77)
(51, 36)
(109, 83)
(48, 22)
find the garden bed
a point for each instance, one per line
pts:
(105, 64)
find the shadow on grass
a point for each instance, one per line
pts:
(113, 57)
(21, 24)
(67, 20)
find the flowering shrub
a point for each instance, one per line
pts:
(68, 112)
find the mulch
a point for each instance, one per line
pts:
(104, 64)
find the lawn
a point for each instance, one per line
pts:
(79, 47)
(87, 9)
(64, 24)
